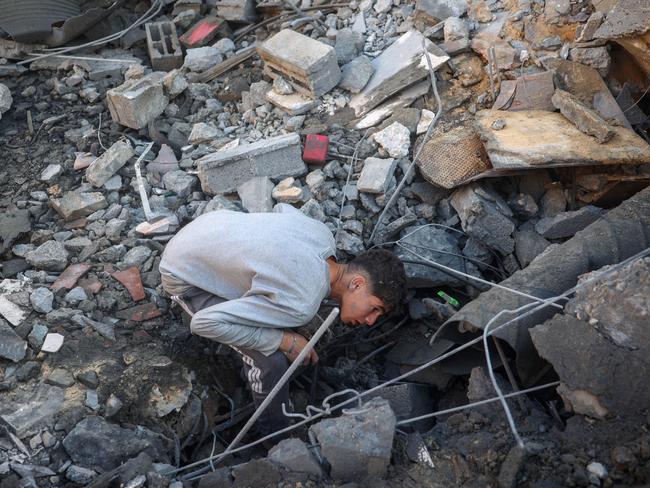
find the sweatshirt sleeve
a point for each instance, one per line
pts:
(252, 322)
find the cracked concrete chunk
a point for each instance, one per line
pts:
(358, 446)
(97, 443)
(105, 166)
(395, 139)
(50, 256)
(276, 157)
(12, 347)
(582, 116)
(376, 175)
(485, 216)
(74, 205)
(602, 353)
(137, 102)
(28, 418)
(398, 67)
(566, 224)
(356, 73)
(294, 455)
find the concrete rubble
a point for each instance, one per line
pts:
(532, 176)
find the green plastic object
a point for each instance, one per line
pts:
(450, 300)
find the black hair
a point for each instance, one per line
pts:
(385, 273)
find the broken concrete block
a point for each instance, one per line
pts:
(12, 346)
(355, 74)
(294, 455)
(399, 66)
(136, 102)
(50, 256)
(237, 10)
(6, 99)
(73, 205)
(395, 139)
(293, 104)
(425, 241)
(485, 216)
(309, 65)
(528, 245)
(533, 138)
(256, 194)
(277, 157)
(25, 419)
(376, 175)
(52, 343)
(596, 57)
(287, 191)
(407, 400)
(204, 31)
(106, 165)
(203, 133)
(358, 446)
(202, 58)
(348, 44)
(588, 361)
(566, 224)
(165, 51)
(585, 119)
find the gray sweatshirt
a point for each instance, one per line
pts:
(269, 267)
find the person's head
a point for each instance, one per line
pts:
(376, 284)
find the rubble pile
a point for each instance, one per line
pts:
(481, 141)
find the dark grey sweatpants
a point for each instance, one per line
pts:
(262, 372)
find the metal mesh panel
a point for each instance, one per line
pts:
(452, 158)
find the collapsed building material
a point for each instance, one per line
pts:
(533, 138)
(605, 327)
(358, 445)
(385, 110)
(164, 49)
(398, 67)
(277, 157)
(452, 158)
(434, 11)
(309, 65)
(376, 175)
(293, 104)
(627, 24)
(105, 166)
(528, 92)
(137, 102)
(585, 119)
(237, 10)
(585, 83)
(619, 234)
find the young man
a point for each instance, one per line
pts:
(248, 279)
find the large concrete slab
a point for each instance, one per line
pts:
(398, 67)
(277, 157)
(539, 138)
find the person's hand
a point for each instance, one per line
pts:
(292, 344)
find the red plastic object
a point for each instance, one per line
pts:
(316, 147)
(204, 31)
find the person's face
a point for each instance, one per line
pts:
(358, 305)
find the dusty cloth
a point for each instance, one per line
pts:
(255, 274)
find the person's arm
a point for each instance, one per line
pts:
(252, 322)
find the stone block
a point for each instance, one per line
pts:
(355, 74)
(566, 224)
(73, 205)
(398, 67)
(137, 102)
(276, 157)
(584, 118)
(310, 66)
(394, 139)
(294, 455)
(376, 174)
(358, 446)
(202, 58)
(408, 400)
(255, 194)
(12, 347)
(105, 166)
(293, 104)
(436, 10)
(165, 51)
(242, 11)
